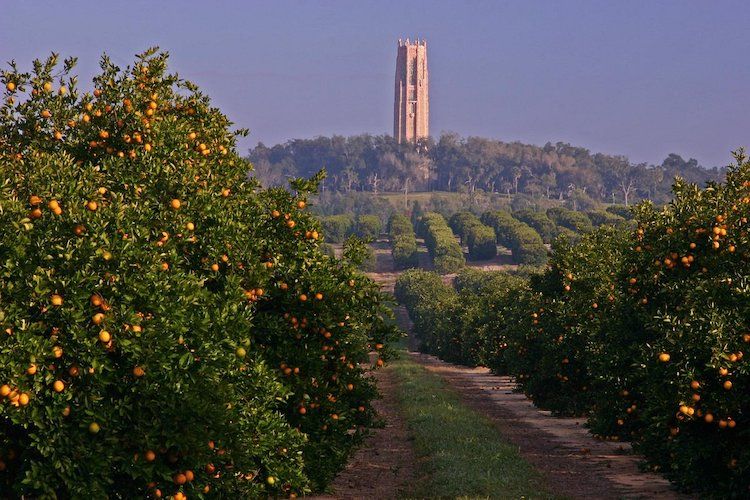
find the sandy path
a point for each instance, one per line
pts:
(574, 463)
(385, 465)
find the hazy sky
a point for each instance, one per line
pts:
(640, 78)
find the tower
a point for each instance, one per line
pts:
(411, 104)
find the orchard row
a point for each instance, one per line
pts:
(170, 328)
(642, 330)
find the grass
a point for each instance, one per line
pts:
(461, 453)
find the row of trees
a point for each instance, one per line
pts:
(642, 330)
(452, 163)
(169, 328)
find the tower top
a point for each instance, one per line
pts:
(409, 42)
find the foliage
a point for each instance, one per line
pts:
(166, 321)
(575, 221)
(445, 251)
(523, 241)
(481, 242)
(403, 242)
(539, 222)
(336, 227)
(643, 330)
(620, 210)
(368, 226)
(604, 218)
(474, 165)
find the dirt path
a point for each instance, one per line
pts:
(385, 465)
(574, 463)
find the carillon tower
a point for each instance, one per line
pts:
(411, 108)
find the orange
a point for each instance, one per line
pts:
(23, 399)
(94, 428)
(31, 370)
(179, 478)
(301, 204)
(10, 86)
(150, 456)
(175, 204)
(92, 205)
(664, 357)
(56, 300)
(139, 371)
(5, 390)
(104, 336)
(728, 384)
(97, 318)
(58, 386)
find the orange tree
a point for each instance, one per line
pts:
(685, 315)
(164, 318)
(557, 332)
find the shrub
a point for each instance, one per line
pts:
(503, 223)
(152, 315)
(368, 227)
(621, 210)
(460, 222)
(336, 227)
(403, 242)
(539, 222)
(481, 242)
(445, 251)
(575, 221)
(601, 218)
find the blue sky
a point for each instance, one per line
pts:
(640, 78)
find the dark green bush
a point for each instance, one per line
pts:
(368, 227)
(621, 210)
(540, 222)
(603, 218)
(336, 227)
(403, 242)
(445, 251)
(481, 242)
(575, 221)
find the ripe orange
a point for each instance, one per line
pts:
(23, 399)
(10, 86)
(104, 336)
(31, 370)
(56, 300)
(92, 205)
(139, 371)
(5, 390)
(728, 384)
(190, 226)
(319, 296)
(664, 357)
(94, 428)
(179, 478)
(175, 204)
(150, 456)
(97, 318)
(303, 297)
(301, 204)
(189, 475)
(58, 386)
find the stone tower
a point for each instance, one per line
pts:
(411, 104)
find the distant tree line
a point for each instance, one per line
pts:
(453, 163)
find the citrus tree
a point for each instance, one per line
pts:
(165, 319)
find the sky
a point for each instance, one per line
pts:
(639, 78)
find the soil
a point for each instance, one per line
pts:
(573, 462)
(385, 465)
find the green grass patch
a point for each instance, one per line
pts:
(461, 454)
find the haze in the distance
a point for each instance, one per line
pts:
(637, 78)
